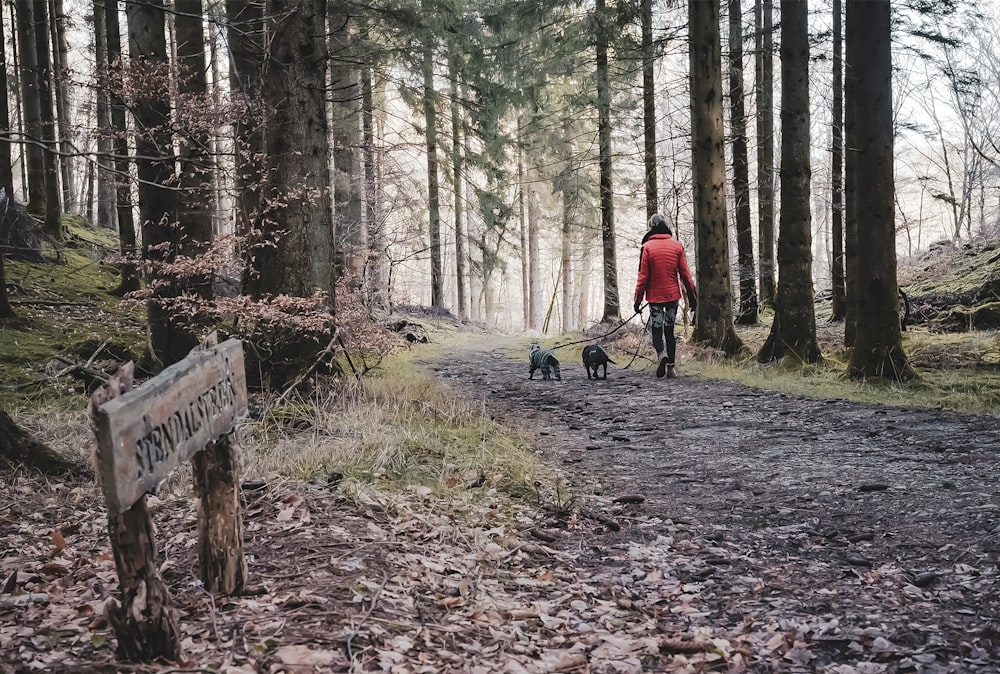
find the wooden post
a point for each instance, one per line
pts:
(220, 523)
(144, 621)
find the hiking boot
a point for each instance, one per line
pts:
(671, 374)
(662, 367)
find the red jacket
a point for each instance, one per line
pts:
(661, 261)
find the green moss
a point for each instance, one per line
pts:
(63, 309)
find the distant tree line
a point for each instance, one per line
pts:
(274, 141)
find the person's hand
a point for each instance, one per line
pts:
(694, 305)
(637, 306)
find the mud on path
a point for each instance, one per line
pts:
(854, 537)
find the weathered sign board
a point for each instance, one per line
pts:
(145, 433)
(187, 412)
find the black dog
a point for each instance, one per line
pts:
(544, 360)
(594, 357)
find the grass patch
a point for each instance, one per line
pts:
(954, 372)
(394, 430)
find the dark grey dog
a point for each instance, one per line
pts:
(542, 359)
(594, 357)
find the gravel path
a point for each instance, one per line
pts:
(868, 534)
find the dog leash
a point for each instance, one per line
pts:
(618, 327)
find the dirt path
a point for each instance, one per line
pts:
(866, 536)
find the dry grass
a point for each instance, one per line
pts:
(398, 428)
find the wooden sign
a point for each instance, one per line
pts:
(143, 434)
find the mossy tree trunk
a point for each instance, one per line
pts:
(878, 344)
(793, 332)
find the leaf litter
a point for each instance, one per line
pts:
(737, 526)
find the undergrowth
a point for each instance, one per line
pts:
(396, 427)
(952, 374)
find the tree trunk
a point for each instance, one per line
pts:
(878, 347)
(245, 35)
(741, 171)
(105, 177)
(61, 84)
(612, 301)
(155, 170)
(714, 324)
(433, 196)
(523, 215)
(6, 311)
(837, 178)
(535, 257)
(129, 280)
(764, 74)
(197, 165)
(53, 212)
(566, 262)
(793, 332)
(649, 108)
(457, 180)
(345, 83)
(31, 105)
(296, 195)
(374, 265)
(6, 164)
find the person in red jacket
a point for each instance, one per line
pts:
(661, 264)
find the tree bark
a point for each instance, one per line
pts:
(129, 280)
(245, 33)
(878, 347)
(374, 265)
(105, 177)
(155, 169)
(52, 223)
(839, 291)
(345, 83)
(196, 163)
(457, 170)
(714, 319)
(764, 74)
(6, 164)
(297, 258)
(649, 108)
(612, 301)
(61, 88)
(741, 170)
(793, 332)
(31, 105)
(433, 191)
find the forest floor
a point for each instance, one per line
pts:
(688, 525)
